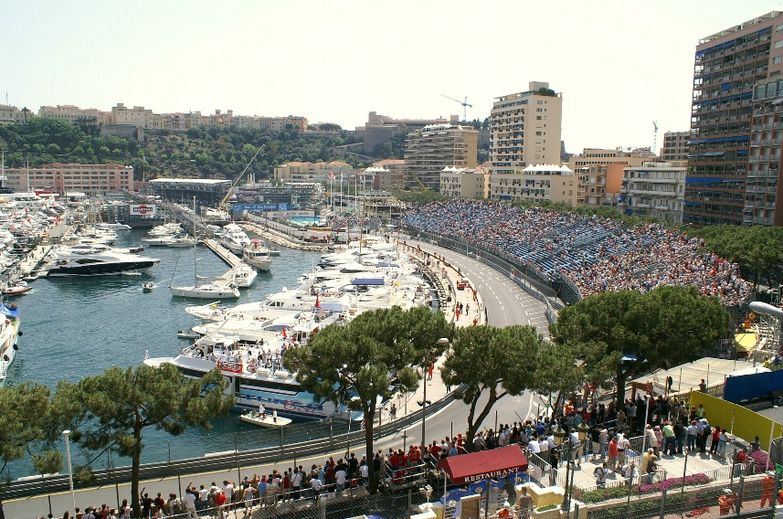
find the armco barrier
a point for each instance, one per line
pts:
(739, 420)
(226, 461)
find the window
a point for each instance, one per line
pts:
(779, 44)
(776, 60)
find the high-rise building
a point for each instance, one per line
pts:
(763, 195)
(525, 129)
(675, 146)
(655, 189)
(432, 148)
(727, 65)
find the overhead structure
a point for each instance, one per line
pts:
(464, 104)
(226, 198)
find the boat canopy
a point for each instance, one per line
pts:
(368, 281)
(9, 310)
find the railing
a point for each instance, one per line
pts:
(227, 461)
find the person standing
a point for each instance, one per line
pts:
(767, 488)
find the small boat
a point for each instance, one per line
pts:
(17, 289)
(185, 334)
(31, 277)
(147, 287)
(270, 421)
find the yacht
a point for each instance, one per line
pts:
(116, 226)
(234, 238)
(9, 334)
(181, 242)
(99, 263)
(206, 291)
(243, 276)
(257, 256)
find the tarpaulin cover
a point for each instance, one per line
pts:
(747, 387)
(484, 464)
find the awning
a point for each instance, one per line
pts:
(484, 464)
(368, 281)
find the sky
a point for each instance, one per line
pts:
(620, 65)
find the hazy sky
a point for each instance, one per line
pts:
(619, 64)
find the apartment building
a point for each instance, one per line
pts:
(655, 189)
(464, 182)
(71, 114)
(764, 185)
(62, 178)
(525, 129)
(11, 114)
(432, 148)
(675, 146)
(137, 116)
(726, 66)
(537, 183)
(314, 172)
(599, 184)
(605, 157)
(395, 180)
(381, 128)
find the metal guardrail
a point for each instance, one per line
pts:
(233, 460)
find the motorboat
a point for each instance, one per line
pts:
(206, 291)
(116, 226)
(181, 242)
(262, 419)
(161, 241)
(102, 263)
(234, 238)
(244, 277)
(258, 256)
(185, 334)
(17, 289)
(9, 335)
(166, 229)
(148, 287)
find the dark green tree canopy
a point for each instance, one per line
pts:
(664, 327)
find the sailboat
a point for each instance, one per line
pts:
(206, 290)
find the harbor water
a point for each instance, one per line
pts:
(76, 327)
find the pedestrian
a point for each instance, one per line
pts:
(767, 488)
(600, 475)
(393, 411)
(612, 452)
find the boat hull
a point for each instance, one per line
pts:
(100, 269)
(196, 293)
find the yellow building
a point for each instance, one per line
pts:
(463, 182)
(525, 129)
(537, 183)
(313, 171)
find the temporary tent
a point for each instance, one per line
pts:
(476, 466)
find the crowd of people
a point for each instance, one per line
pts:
(596, 254)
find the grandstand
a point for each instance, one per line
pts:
(594, 254)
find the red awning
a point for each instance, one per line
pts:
(476, 466)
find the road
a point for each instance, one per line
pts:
(506, 303)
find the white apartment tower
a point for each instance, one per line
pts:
(525, 129)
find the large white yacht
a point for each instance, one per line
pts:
(9, 333)
(234, 238)
(258, 256)
(97, 263)
(206, 291)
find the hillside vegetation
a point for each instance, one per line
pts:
(199, 152)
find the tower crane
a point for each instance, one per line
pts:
(464, 104)
(655, 138)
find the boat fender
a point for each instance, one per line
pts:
(19, 333)
(16, 347)
(8, 321)
(5, 358)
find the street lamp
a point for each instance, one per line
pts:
(443, 341)
(571, 446)
(67, 434)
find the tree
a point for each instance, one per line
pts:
(492, 361)
(27, 419)
(110, 411)
(557, 374)
(662, 328)
(369, 360)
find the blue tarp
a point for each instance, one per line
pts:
(368, 281)
(9, 311)
(756, 385)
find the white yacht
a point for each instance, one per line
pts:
(116, 226)
(258, 256)
(9, 334)
(181, 242)
(98, 263)
(206, 291)
(234, 238)
(243, 276)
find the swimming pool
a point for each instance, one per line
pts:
(305, 220)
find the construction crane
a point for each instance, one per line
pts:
(655, 138)
(464, 104)
(231, 189)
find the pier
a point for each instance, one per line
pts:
(228, 257)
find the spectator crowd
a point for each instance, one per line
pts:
(596, 254)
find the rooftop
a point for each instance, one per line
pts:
(207, 181)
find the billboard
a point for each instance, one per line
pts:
(258, 208)
(142, 210)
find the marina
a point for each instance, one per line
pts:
(84, 325)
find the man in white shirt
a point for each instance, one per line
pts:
(533, 447)
(316, 485)
(296, 483)
(228, 492)
(543, 448)
(364, 471)
(339, 478)
(189, 500)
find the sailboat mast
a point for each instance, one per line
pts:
(195, 263)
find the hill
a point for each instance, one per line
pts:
(199, 152)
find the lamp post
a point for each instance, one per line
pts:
(443, 341)
(67, 435)
(570, 447)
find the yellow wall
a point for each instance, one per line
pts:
(747, 423)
